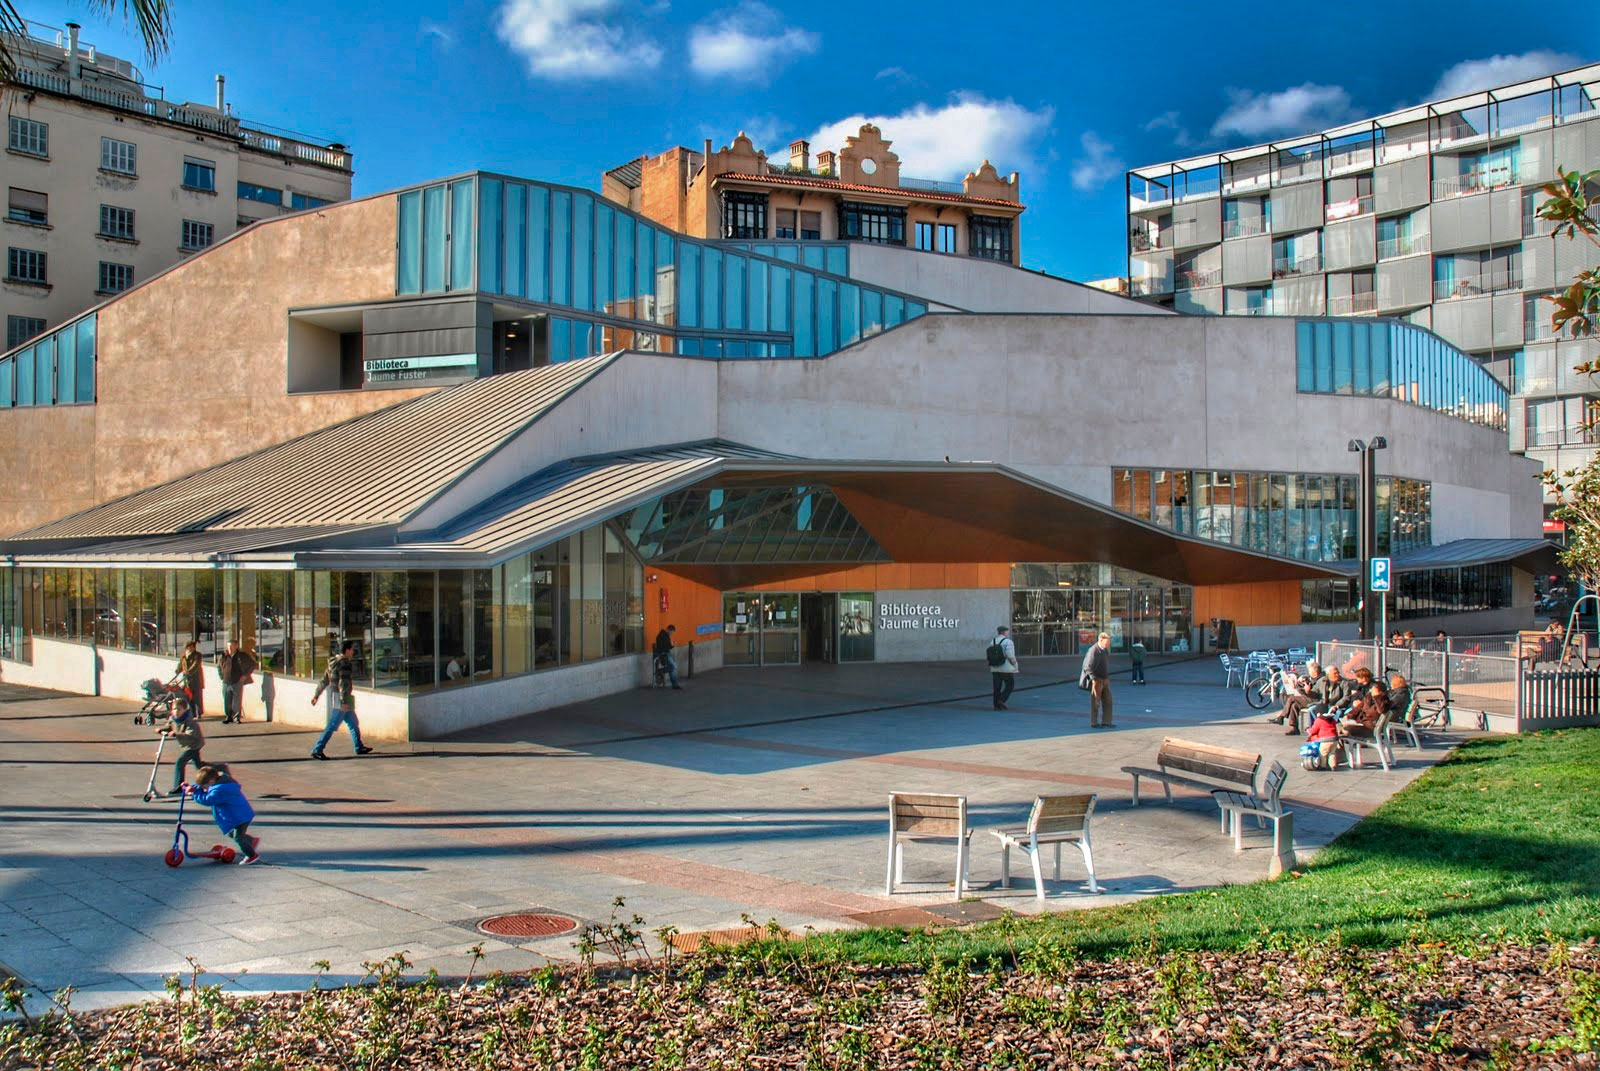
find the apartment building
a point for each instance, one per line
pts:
(853, 194)
(1426, 214)
(107, 183)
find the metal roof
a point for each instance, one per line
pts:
(630, 174)
(1462, 552)
(199, 547)
(374, 469)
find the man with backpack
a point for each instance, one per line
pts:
(1003, 669)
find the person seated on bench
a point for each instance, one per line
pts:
(1323, 734)
(1301, 694)
(1399, 697)
(1361, 719)
(1331, 694)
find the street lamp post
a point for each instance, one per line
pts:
(1367, 523)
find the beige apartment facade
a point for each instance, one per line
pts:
(107, 185)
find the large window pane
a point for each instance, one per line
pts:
(272, 607)
(485, 624)
(491, 230)
(409, 245)
(390, 626)
(561, 248)
(455, 607)
(805, 340)
(549, 599)
(590, 594)
(84, 380)
(461, 235)
(616, 594)
(420, 621)
(689, 285)
(604, 247)
(433, 240)
(518, 603)
(539, 243)
(582, 251)
(356, 604)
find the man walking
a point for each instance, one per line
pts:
(1003, 668)
(338, 680)
(1097, 668)
(665, 660)
(235, 667)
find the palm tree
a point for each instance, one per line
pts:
(153, 16)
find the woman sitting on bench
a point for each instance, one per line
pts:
(1361, 718)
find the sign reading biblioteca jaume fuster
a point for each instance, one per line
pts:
(893, 615)
(398, 369)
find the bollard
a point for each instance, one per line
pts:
(690, 662)
(1282, 846)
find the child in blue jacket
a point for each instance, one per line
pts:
(215, 788)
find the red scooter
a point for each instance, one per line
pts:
(180, 842)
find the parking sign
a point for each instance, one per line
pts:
(1380, 574)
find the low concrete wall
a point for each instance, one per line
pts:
(454, 710)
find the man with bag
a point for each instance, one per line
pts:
(1003, 668)
(237, 669)
(1095, 678)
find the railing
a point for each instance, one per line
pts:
(1146, 285)
(1197, 280)
(299, 150)
(1244, 228)
(1492, 178)
(1144, 239)
(1557, 699)
(1347, 209)
(1283, 267)
(1352, 304)
(935, 185)
(1404, 246)
(1536, 322)
(1473, 285)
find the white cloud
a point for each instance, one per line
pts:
(1470, 76)
(899, 74)
(572, 40)
(1299, 110)
(747, 42)
(428, 28)
(1098, 164)
(948, 142)
(1170, 121)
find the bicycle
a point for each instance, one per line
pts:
(1263, 691)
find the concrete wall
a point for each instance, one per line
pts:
(956, 625)
(453, 710)
(978, 285)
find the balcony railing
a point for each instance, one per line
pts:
(1473, 285)
(1284, 267)
(1489, 178)
(1144, 239)
(1244, 228)
(1402, 246)
(1353, 304)
(212, 122)
(1146, 285)
(1536, 325)
(932, 185)
(1199, 280)
(1348, 209)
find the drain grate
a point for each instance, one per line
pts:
(527, 924)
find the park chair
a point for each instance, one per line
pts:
(1378, 741)
(926, 817)
(1234, 667)
(1054, 820)
(1267, 806)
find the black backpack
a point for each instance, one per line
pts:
(997, 654)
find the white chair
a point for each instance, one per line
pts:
(1054, 820)
(924, 817)
(1378, 741)
(1234, 668)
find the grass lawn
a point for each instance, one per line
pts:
(1502, 839)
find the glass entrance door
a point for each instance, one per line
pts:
(760, 628)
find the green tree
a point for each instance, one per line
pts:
(154, 18)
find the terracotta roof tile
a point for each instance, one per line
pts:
(850, 187)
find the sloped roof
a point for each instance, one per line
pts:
(630, 174)
(374, 469)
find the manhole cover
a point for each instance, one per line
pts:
(528, 925)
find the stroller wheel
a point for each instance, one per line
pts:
(174, 857)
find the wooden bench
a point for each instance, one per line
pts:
(1266, 807)
(1054, 820)
(1185, 762)
(925, 817)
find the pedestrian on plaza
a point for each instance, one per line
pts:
(1441, 640)
(1003, 667)
(338, 680)
(1136, 652)
(215, 787)
(192, 668)
(184, 730)
(661, 650)
(237, 669)
(1097, 669)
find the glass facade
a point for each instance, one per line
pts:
(58, 369)
(1297, 515)
(762, 524)
(1380, 358)
(1060, 609)
(1417, 594)
(615, 281)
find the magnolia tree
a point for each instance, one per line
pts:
(1573, 207)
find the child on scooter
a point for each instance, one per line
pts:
(215, 787)
(184, 729)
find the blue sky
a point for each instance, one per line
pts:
(1067, 94)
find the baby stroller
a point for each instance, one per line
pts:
(158, 699)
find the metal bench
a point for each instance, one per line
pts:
(924, 817)
(1054, 820)
(1186, 762)
(1378, 741)
(1266, 807)
(1429, 709)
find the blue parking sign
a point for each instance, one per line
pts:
(1380, 574)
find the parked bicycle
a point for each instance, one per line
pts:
(1268, 686)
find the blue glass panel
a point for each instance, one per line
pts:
(1304, 344)
(8, 383)
(583, 339)
(625, 247)
(582, 251)
(24, 359)
(838, 259)
(711, 347)
(1361, 336)
(409, 245)
(462, 203)
(780, 349)
(915, 309)
(644, 269)
(813, 256)
(689, 347)
(1322, 347)
(538, 243)
(86, 359)
(789, 253)
(805, 339)
(849, 314)
(733, 270)
(782, 278)
(710, 287)
(894, 310)
(664, 248)
(1343, 374)
(561, 248)
(827, 315)
(560, 339)
(433, 242)
(66, 366)
(759, 273)
(605, 243)
(491, 232)
(516, 251)
(689, 284)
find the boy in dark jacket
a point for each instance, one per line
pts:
(184, 729)
(216, 788)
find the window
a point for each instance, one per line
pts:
(21, 328)
(990, 238)
(744, 215)
(249, 191)
(28, 206)
(116, 222)
(29, 137)
(119, 156)
(925, 236)
(114, 278)
(196, 235)
(947, 238)
(785, 223)
(872, 223)
(25, 266)
(811, 226)
(199, 175)
(298, 201)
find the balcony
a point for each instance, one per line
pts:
(1473, 285)
(1288, 267)
(1199, 280)
(1244, 228)
(1145, 239)
(1536, 325)
(1149, 285)
(1489, 178)
(1353, 304)
(1347, 209)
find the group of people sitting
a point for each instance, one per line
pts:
(1336, 707)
